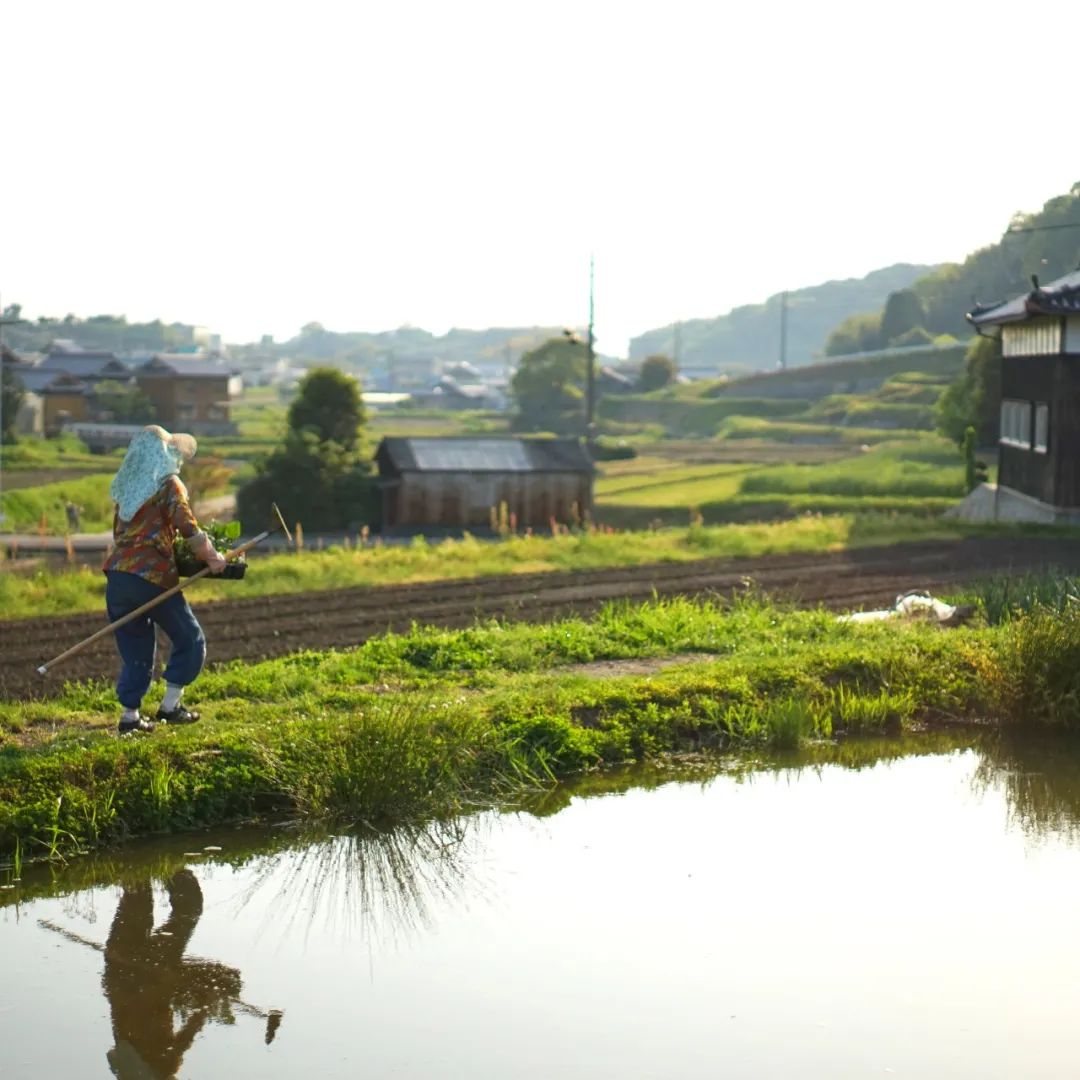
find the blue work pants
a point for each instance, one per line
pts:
(136, 641)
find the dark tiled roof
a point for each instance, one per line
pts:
(34, 379)
(484, 455)
(1060, 297)
(188, 367)
(86, 365)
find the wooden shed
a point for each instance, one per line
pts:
(456, 483)
(1039, 451)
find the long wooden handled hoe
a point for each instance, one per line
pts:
(278, 525)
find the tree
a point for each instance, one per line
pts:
(123, 403)
(11, 400)
(903, 312)
(317, 476)
(328, 403)
(656, 371)
(974, 400)
(317, 483)
(857, 333)
(548, 387)
(915, 336)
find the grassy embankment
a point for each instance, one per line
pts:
(81, 589)
(41, 475)
(437, 721)
(24, 508)
(917, 476)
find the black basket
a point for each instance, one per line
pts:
(234, 570)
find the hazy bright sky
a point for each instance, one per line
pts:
(252, 166)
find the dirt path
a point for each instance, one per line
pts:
(274, 625)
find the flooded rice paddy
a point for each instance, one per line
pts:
(911, 912)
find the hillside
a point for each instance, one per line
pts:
(1045, 243)
(748, 338)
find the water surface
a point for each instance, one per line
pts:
(912, 917)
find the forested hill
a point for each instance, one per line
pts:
(1046, 244)
(495, 347)
(748, 338)
(361, 349)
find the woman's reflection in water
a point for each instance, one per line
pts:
(151, 986)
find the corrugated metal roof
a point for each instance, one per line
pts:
(1060, 297)
(486, 455)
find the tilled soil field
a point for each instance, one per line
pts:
(275, 625)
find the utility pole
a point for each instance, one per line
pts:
(590, 375)
(676, 347)
(783, 329)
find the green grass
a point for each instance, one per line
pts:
(24, 507)
(794, 431)
(854, 411)
(682, 413)
(919, 476)
(436, 721)
(63, 452)
(673, 486)
(82, 589)
(931, 467)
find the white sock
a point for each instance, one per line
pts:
(129, 716)
(172, 697)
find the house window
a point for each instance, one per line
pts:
(1041, 441)
(1016, 424)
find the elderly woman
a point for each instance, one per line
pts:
(151, 508)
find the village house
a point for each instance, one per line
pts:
(30, 419)
(190, 392)
(451, 484)
(65, 379)
(1039, 446)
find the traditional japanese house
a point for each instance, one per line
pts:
(447, 484)
(190, 393)
(1039, 454)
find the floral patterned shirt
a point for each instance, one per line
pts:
(144, 545)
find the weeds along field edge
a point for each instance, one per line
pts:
(82, 589)
(437, 722)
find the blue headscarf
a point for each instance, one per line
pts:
(152, 457)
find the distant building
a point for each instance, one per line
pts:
(88, 365)
(448, 393)
(1039, 446)
(65, 379)
(30, 419)
(456, 483)
(190, 392)
(610, 380)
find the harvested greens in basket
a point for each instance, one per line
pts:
(223, 536)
